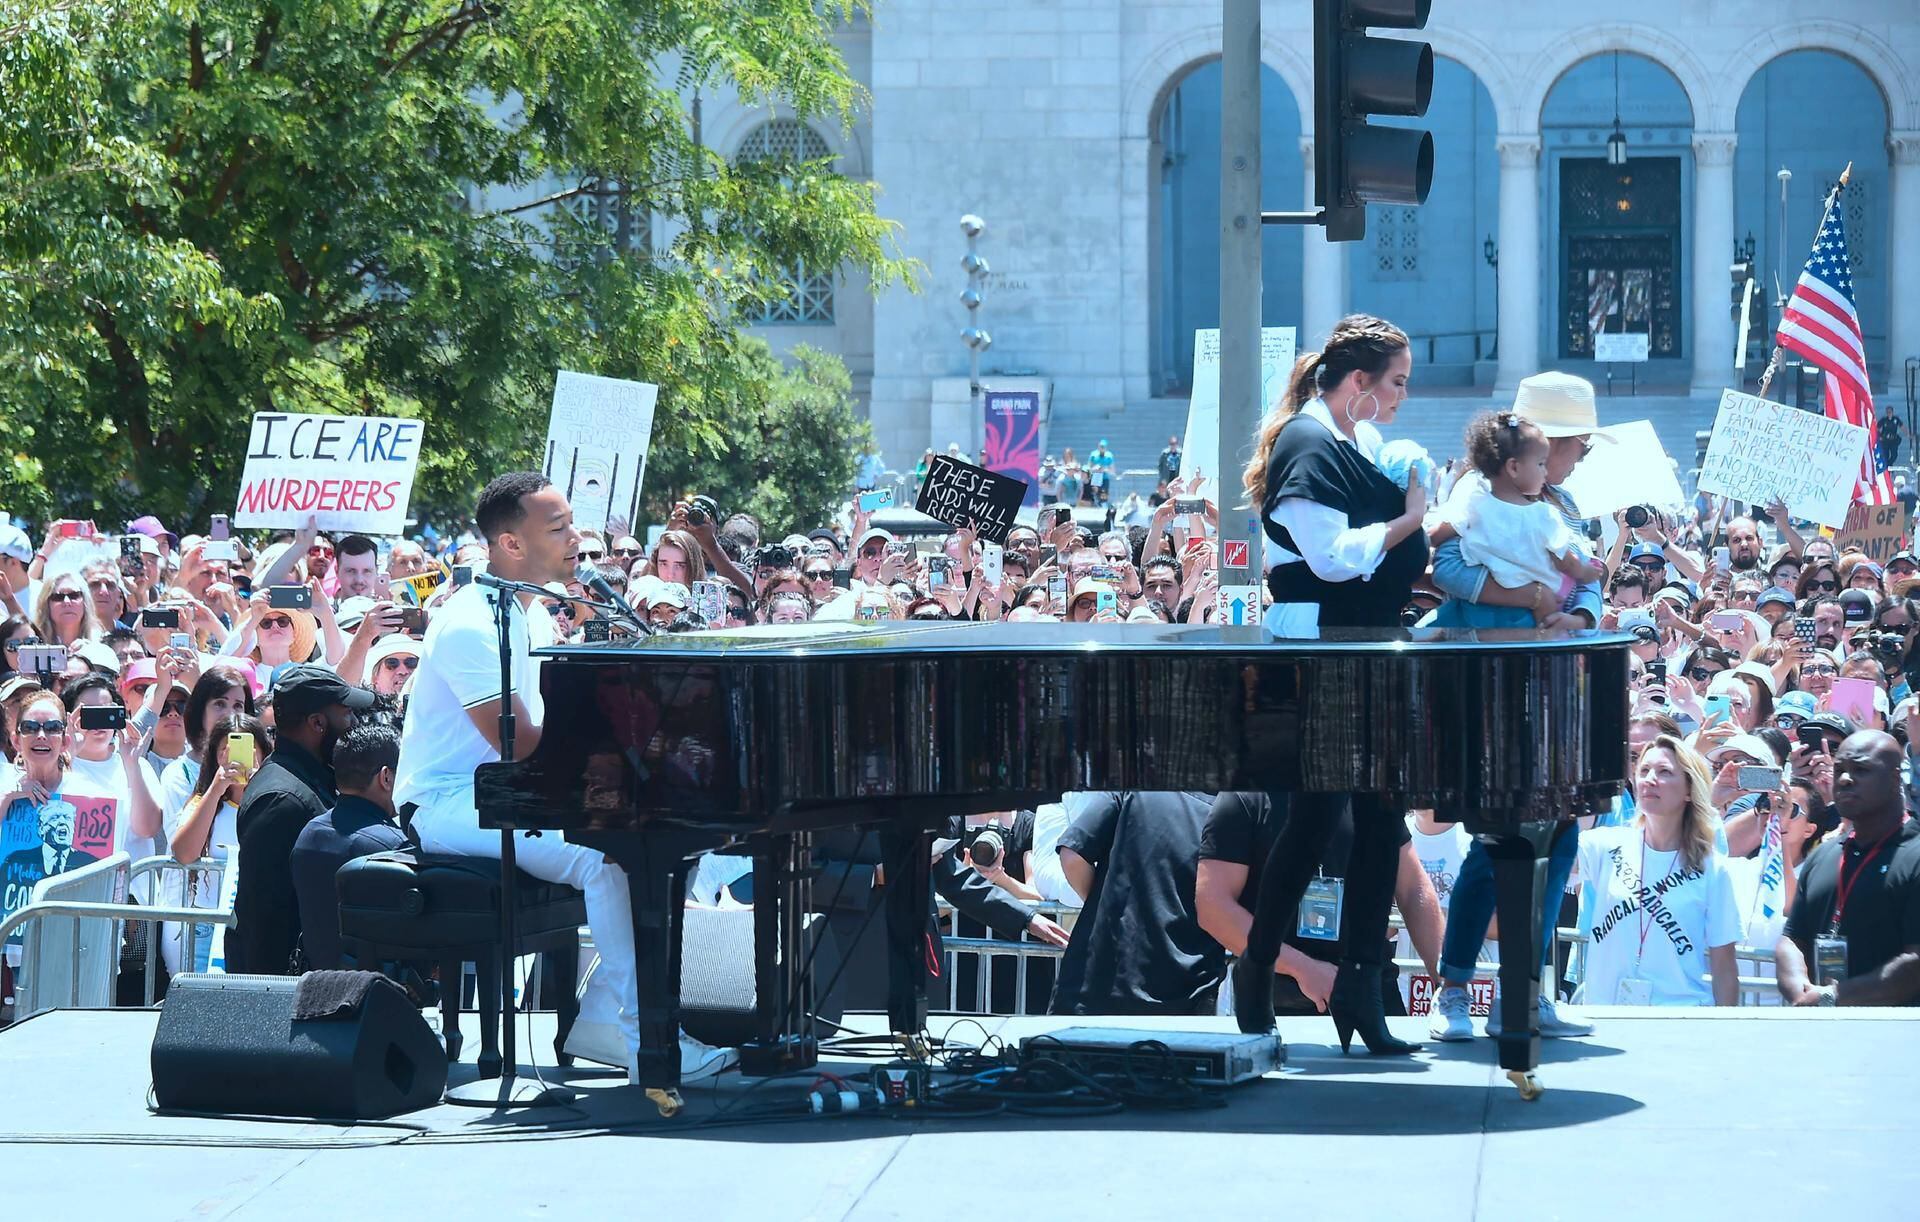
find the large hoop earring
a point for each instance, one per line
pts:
(1352, 419)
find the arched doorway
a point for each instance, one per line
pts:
(1427, 268)
(1185, 226)
(1779, 129)
(1618, 234)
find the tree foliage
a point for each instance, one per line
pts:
(209, 209)
(790, 463)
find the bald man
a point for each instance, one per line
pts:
(1856, 918)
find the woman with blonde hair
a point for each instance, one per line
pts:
(1662, 904)
(1347, 546)
(64, 615)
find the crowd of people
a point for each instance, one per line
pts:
(287, 701)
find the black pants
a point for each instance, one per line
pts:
(1372, 867)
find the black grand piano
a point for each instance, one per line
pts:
(662, 748)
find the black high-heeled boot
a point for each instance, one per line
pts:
(1356, 1005)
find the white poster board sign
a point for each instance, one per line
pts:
(1760, 450)
(1621, 347)
(1633, 469)
(350, 473)
(597, 440)
(1200, 446)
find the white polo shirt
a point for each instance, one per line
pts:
(459, 669)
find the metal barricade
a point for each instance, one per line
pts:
(71, 932)
(986, 951)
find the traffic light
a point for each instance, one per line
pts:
(1357, 75)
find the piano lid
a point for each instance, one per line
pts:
(900, 638)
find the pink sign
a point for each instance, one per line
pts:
(1013, 437)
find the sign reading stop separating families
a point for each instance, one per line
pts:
(961, 494)
(348, 473)
(1760, 451)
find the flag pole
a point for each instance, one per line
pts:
(1833, 198)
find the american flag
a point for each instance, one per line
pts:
(1821, 324)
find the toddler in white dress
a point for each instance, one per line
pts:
(1497, 512)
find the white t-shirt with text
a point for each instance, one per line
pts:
(1652, 921)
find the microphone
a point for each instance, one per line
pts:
(590, 577)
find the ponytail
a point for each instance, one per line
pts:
(1359, 342)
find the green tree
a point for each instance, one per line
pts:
(220, 207)
(790, 460)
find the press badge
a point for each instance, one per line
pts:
(1829, 960)
(1634, 991)
(1320, 909)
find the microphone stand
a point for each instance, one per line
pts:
(506, 1091)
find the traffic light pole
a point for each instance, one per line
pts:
(1240, 221)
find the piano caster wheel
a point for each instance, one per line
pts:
(668, 1101)
(1528, 1085)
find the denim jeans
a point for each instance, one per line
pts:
(1471, 906)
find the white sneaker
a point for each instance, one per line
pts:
(605, 1044)
(1555, 1025)
(700, 1061)
(1451, 1020)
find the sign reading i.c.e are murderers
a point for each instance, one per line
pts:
(349, 473)
(961, 494)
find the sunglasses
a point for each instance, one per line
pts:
(819, 574)
(16, 646)
(627, 553)
(66, 596)
(592, 555)
(878, 549)
(1819, 668)
(276, 621)
(558, 609)
(400, 663)
(1700, 674)
(30, 728)
(1828, 586)
(174, 708)
(1649, 562)
(1586, 447)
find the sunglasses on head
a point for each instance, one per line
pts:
(277, 621)
(30, 728)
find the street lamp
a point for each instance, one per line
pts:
(1617, 142)
(976, 339)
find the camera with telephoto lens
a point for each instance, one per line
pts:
(988, 847)
(1638, 516)
(774, 556)
(1887, 646)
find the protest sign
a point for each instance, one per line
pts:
(1878, 530)
(417, 589)
(1632, 469)
(961, 494)
(1760, 451)
(1013, 437)
(1200, 445)
(597, 440)
(349, 473)
(1621, 347)
(79, 831)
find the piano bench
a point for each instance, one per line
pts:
(407, 905)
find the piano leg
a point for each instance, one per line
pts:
(657, 888)
(1519, 881)
(783, 994)
(909, 898)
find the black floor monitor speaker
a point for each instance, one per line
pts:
(230, 1044)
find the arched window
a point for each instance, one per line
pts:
(791, 140)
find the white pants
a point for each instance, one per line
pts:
(450, 825)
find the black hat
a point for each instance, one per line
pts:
(825, 536)
(1835, 723)
(1856, 606)
(307, 688)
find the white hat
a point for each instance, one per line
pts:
(14, 543)
(672, 593)
(1560, 404)
(390, 645)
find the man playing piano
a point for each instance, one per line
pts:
(453, 726)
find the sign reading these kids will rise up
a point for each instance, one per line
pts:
(350, 473)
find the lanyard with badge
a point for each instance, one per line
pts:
(1320, 909)
(1635, 989)
(1830, 949)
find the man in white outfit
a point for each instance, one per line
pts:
(453, 726)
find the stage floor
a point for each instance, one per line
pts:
(1740, 1114)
